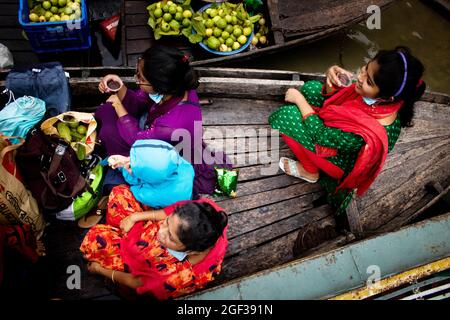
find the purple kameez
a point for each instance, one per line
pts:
(118, 134)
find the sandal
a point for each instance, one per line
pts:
(94, 217)
(293, 169)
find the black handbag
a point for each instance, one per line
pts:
(51, 171)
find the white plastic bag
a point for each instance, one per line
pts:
(6, 58)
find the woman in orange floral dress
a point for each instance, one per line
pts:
(165, 253)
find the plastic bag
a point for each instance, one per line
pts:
(6, 58)
(87, 119)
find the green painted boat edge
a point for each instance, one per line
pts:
(343, 269)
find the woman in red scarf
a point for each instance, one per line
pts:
(341, 134)
(165, 253)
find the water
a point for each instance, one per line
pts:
(410, 23)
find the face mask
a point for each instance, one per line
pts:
(156, 97)
(370, 101)
(177, 254)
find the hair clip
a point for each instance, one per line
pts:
(185, 58)
(419, 83)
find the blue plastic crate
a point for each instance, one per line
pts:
(56, 36)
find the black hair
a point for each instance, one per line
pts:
(389, 78)
(201, 225)
(168, 70)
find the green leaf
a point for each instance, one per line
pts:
(195, 38)
(151, 7)
(255, 19)
(199, 27)
(186, 32)
(151, 23)
(157, 33)
(169, 33)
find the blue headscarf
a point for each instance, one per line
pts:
(160, 176)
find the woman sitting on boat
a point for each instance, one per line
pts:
(167, 101)
(341, 135)
(164, 253)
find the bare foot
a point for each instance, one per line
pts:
(301, 171)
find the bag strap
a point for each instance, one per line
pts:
(54, 165)
(10, 147)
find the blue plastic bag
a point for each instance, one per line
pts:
(20, 115)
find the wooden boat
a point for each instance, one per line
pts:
(269, 210)
(292, 23)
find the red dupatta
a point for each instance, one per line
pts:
(346, 110)
(152, 280)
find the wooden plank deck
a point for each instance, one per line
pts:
(265, 217)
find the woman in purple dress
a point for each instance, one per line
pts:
(165, 108)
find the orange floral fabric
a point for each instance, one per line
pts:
(102, 244)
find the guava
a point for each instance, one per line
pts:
(225, 35)
(247, 31)
(158, 13)
(81, 129)
(46, 5)
(179, 16)
(186, 22)
(62, 3)
(263, 40)
(229, 28)
(229, 42)
(34, 17)
(213, 13)
(167, 17)
(187, 14)
(213, 43)
(254, 41)
(172, 9)
(165, 27)
(209, 23)
(174, 24)
(236, 46)
(68, 11)
(242, 39)
(209, 32)
(48, 15)
(221, 23)
(217, 32)
(237, 32)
